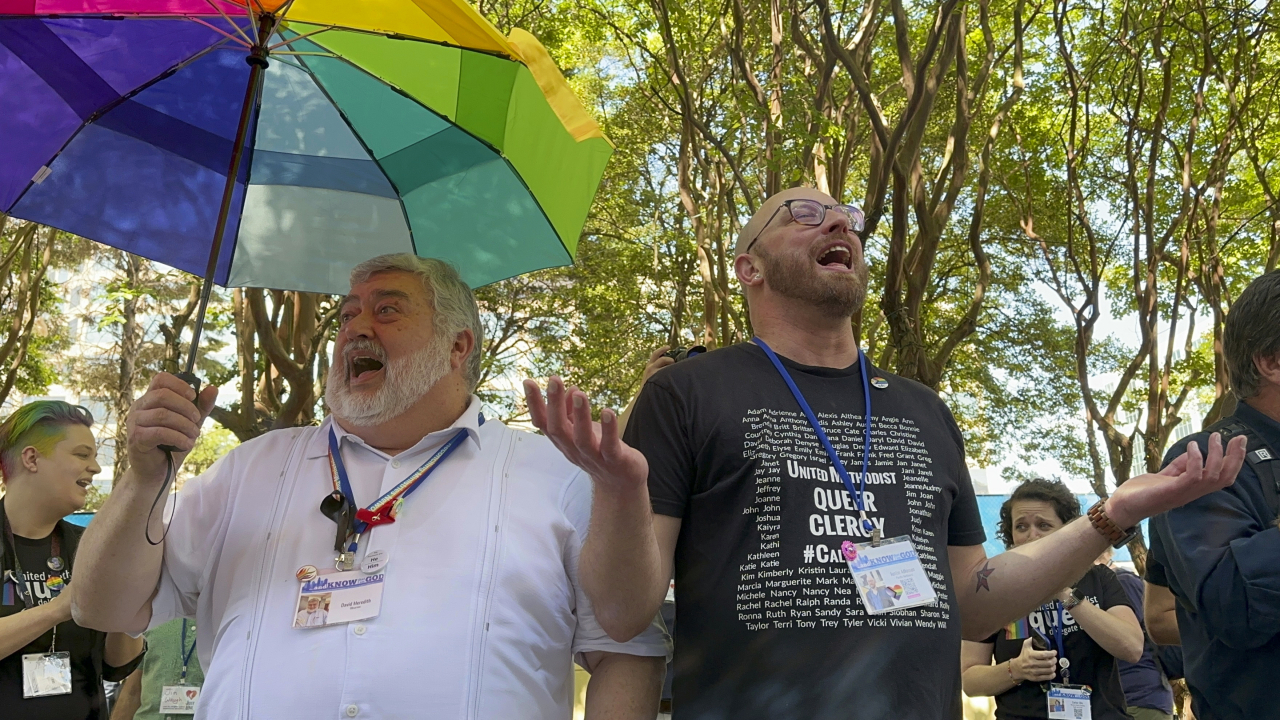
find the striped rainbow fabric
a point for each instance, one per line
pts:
(383, 126)
(1018, 630)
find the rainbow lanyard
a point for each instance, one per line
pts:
(384, 510)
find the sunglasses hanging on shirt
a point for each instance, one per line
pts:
(342, 513)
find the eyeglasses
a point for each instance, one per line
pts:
(813, 213)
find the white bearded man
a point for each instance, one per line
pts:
(453, 584)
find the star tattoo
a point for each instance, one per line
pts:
(983, 574)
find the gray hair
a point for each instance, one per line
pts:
(1252, 329)
(451, 297)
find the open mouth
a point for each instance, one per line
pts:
(85, 482)
(364, 366)
(837, 257)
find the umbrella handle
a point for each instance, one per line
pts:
(194, 382)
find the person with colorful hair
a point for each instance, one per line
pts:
(50, 667)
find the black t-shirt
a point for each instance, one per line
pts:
(86, 700)
(1090, 664)
(771, 625)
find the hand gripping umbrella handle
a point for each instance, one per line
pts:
(190, 379)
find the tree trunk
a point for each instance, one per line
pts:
(130, 341)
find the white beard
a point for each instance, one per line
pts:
(406, 380)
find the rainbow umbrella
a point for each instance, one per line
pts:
(278, 144)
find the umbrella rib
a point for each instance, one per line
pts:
(221, 32)
(317, 54)
(255, 15)
(218, 8)
(111, 106)
(280, 16)
(410, 38)
(326, 28)
(294, 65)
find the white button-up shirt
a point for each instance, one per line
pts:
(482, 612)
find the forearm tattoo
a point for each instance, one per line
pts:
(982, 575)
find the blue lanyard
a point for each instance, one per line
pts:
(1057, 639)
(186, 652)
(867, 525)
(382, 505)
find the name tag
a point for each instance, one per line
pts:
(179, 699)
(45, 674)
(333, 598)
(1069, 702)
(889, 576)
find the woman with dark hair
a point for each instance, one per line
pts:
(50, 668)
(1088, 626)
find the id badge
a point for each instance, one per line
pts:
(45, 674)
(1069, 702)
(333, 598)
(179, 699)
(889, 576)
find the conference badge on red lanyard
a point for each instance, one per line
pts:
(889, 576)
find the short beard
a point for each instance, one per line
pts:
(407, 379)
(793, 276)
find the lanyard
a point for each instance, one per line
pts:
(186, 652)
(384, 509)
(1057, 639)
(17, 576)
(826, 443)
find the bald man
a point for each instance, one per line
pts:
(724, 477)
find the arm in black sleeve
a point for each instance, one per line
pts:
(659, 429)
(1221, 554)
(118, 674)
(1111, 592)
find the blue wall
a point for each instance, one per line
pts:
(81, 518)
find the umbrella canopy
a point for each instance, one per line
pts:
(380, 126)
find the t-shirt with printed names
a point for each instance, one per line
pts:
(1090, 664)
(86, 700)
(771, 624)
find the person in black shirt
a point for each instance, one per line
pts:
(1098, 625)
(1220, 555)
(48, 457)
(722, 481)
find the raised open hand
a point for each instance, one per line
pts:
(565, 418)
(1191, 475)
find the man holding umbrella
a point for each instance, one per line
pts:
(447, 543)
